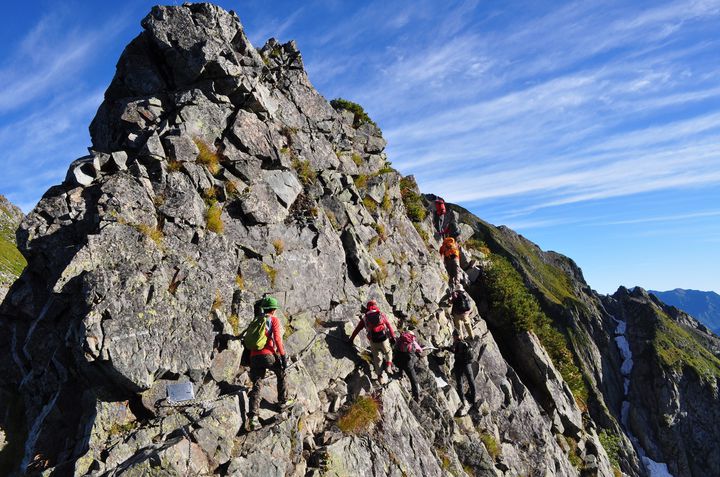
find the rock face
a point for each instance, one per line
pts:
(218, 174)
(12, 262)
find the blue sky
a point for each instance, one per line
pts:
(592, 128)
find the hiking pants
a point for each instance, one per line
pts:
(406, 362)
(462, 320)
(379, 351)
(460, 371)
(259, 365)
(452, 265)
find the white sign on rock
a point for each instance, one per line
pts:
(180, 392)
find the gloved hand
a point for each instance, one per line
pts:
(392, 341)
(283, 362)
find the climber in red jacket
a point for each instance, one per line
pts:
(381, 335)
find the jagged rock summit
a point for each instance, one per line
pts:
(218, 174)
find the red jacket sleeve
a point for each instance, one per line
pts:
(359, 327)
(277, 335)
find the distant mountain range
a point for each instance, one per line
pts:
(703, 306)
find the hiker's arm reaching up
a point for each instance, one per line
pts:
(357, 329)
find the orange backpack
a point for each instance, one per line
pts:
(449, 248)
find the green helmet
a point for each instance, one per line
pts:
(270, 303)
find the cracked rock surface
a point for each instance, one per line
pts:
(217, 173)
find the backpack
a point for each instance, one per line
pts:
(463, 353)
(449, 248)
(255, 335)
(461, 304)
(406, 343)
(375, 326)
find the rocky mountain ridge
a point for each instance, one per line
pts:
(218, 174)
(703, 306)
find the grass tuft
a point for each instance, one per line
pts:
(476, 244)
(174, 166)
(361, 181)
(234, 322)
(271, 273)
(386, 203)
(213, 217)
(381, 274)
(381, 232)
(153, 233)
(207, 157)
(304, 171)
(217, 302)
(370, 204)
(210, 196)
(361, 416)
(279, 246)
(421, 231)
(491, 445)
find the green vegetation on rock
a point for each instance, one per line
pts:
(510, 300)
(361, 116)
(207, 157)
(612, 444)
(305, 171)
(679, 348)
(12, 262)
(413, 201)
(360, 416)
(491, 444)
(552, 281)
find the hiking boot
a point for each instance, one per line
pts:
(252, 424)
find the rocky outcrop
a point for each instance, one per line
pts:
(11, 261)
(218, 174)
(672, 397)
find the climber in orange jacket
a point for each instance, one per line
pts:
(450, 252)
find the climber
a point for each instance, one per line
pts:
(451, 256)
(381, 335)
(461, 311)
(451, 230)
(407, 350)
(264, 338)
(462, 368)
(439, 214)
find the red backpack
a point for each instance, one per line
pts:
(406, 343)
(375, 326)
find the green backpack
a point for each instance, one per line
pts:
(256, 333)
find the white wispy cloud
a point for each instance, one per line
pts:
(50, 57)
(664, 218)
